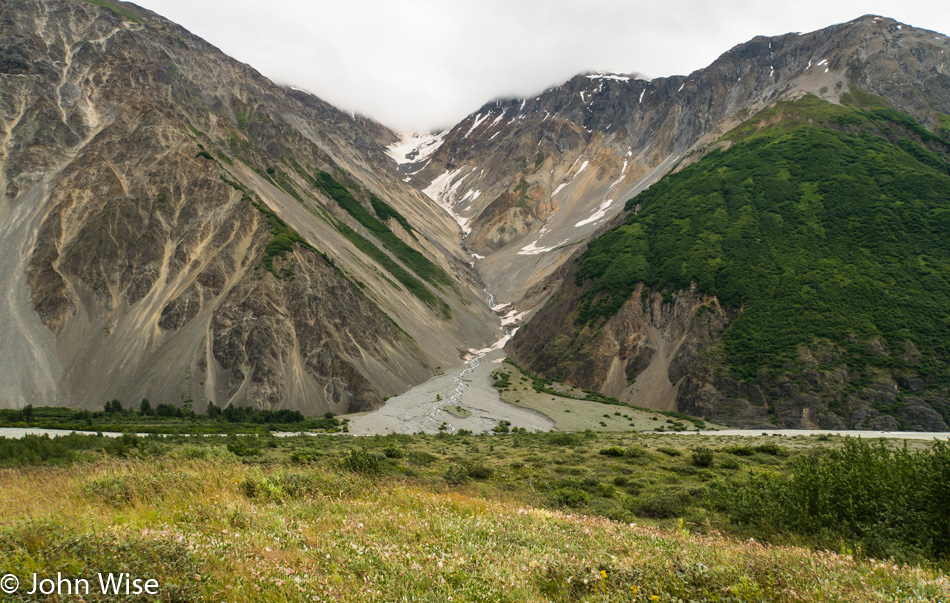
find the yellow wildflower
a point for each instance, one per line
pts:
(603, 574)
(633, 590)
(655, 598)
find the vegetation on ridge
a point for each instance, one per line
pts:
(385, 211)
(413, 259)
(411, 283)
(821, 221)
(409, 256)
(118, 10)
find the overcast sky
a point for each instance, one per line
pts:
(416, 65)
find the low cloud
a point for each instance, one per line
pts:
(417, 65)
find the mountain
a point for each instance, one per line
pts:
(532, 178)
(174, 226)
(715, 296)
(797, 274)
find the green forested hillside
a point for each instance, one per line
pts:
(820, 221)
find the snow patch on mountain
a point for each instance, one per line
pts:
(478, 120)
(411, 148)
(623, 172)
(608, 76)
(533, 249)
(443, 190)
(599, 213)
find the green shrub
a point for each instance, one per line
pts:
(304, 456)
(635, 452)
(479, 470)
(283, 239)
(501, 380)
(814, 231)
(660, 504)
(879, 501)
(421, 457)
(384, 211)
(571, 496)
(729, 464)
(368, 463)
(456, 475)
(411, 283)
(502, 427)
(613, 451)
(259, 487)
(132, 445)
(413, 259)
(205, 453)
(83, 551)
(771, 448)
(288, 485)
(129, 488)
(702, 457)
(739, 450)
(36, 449)
(561, 438)
(244, 446)
(393, 451)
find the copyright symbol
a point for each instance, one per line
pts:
(9, 584)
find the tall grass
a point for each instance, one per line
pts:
(225, 530)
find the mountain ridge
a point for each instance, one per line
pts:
(630, 132)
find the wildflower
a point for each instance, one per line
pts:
(655, 598)
(633, 590)
(603, 574)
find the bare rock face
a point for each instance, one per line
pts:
(161, 234)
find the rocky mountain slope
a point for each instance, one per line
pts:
(531, 178)
(174, 226)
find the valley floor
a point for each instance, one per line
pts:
(426, 407)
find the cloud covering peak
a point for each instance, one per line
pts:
(416, 65)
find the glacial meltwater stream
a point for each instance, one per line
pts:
(466, 391)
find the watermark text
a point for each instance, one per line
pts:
(104, 584)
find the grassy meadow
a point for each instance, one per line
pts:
(503, 517)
